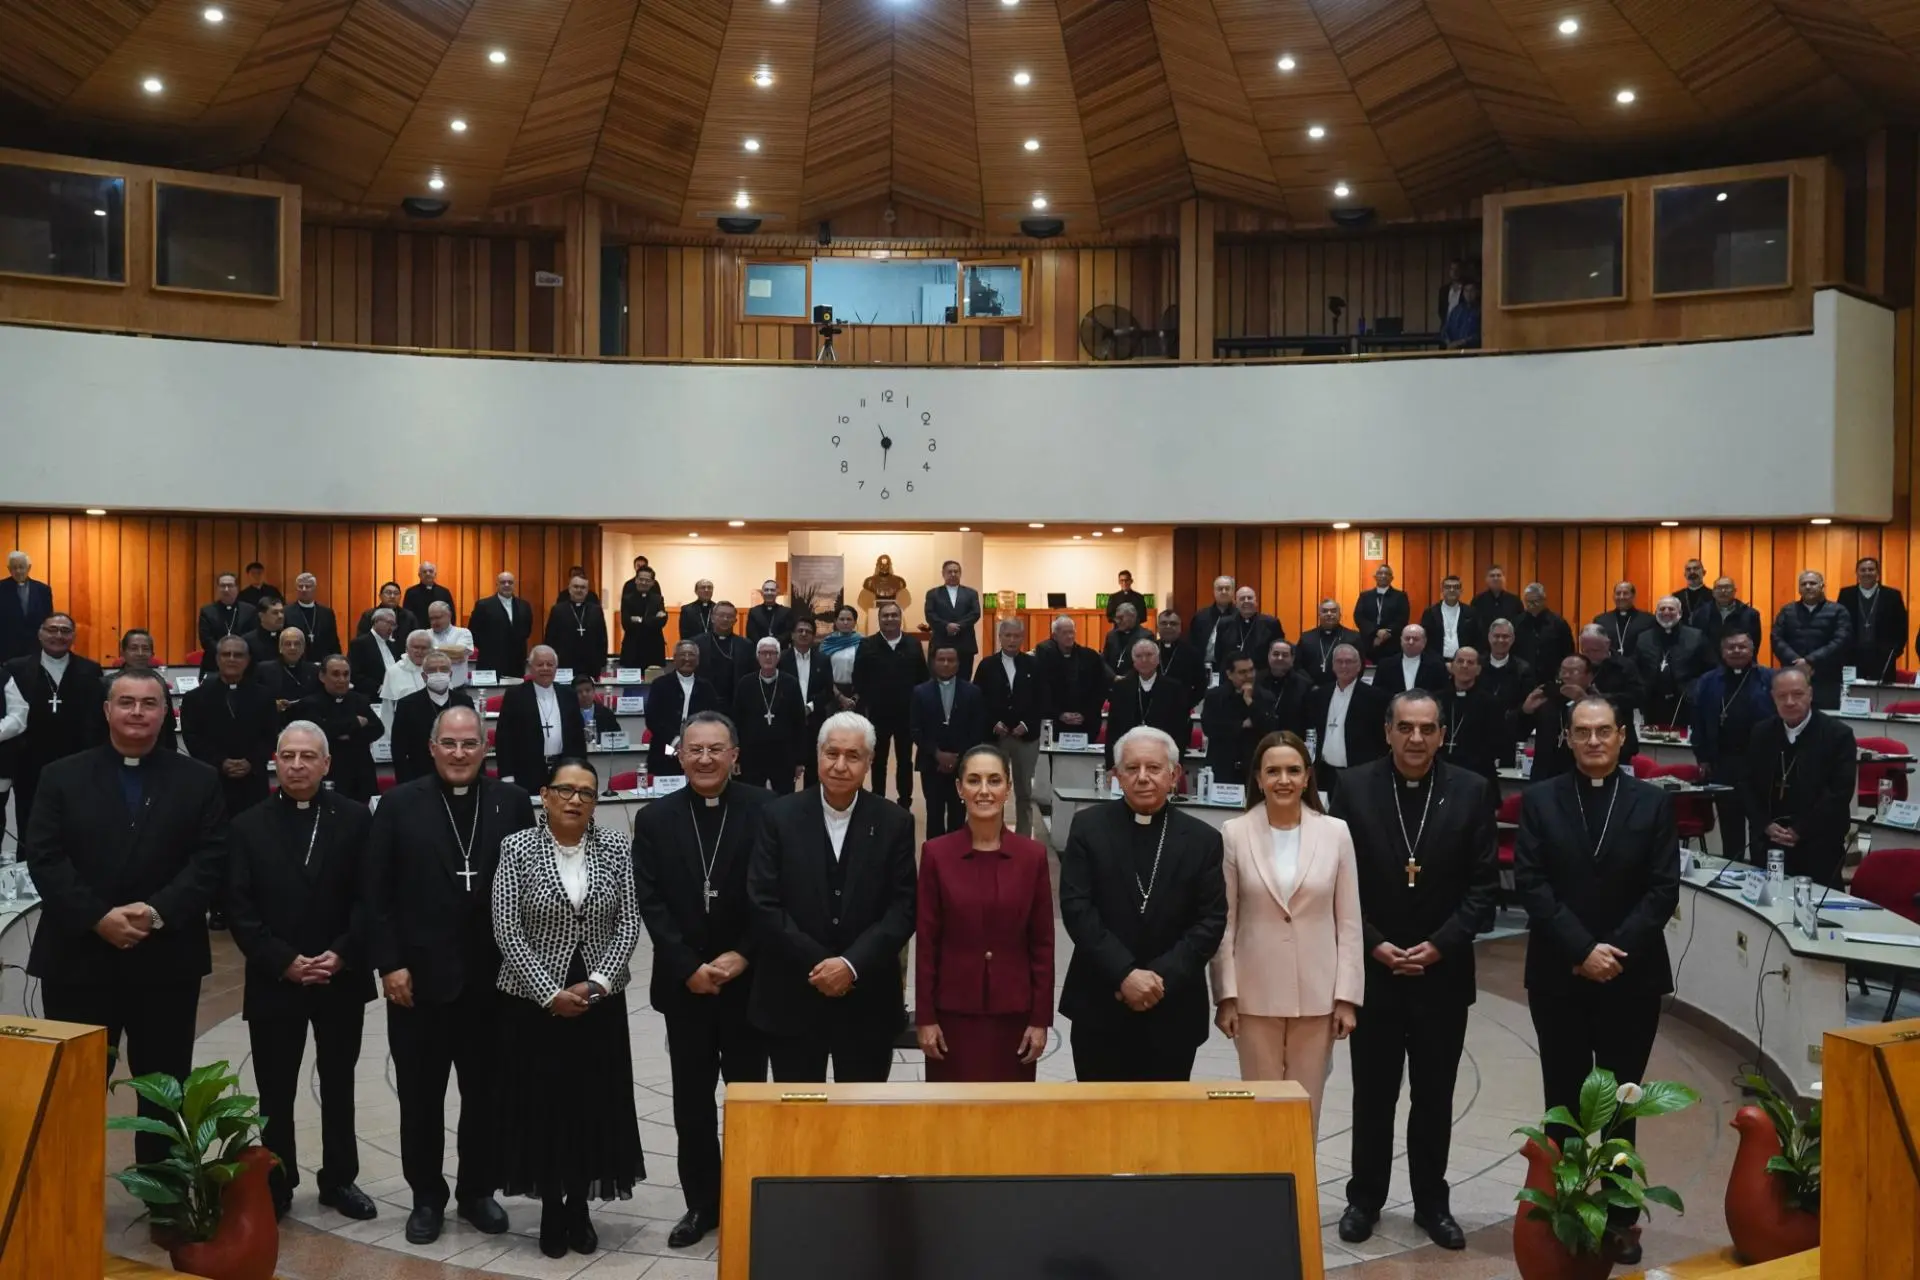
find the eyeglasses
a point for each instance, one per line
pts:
(458, 744)
(1598, 733)
(586, 795)
(703, 753)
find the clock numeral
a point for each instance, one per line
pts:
(926, 466)
(843, 466)
(844, 419)
(909, 486)
(926, 419)
(836, 442)
(863, 402)
(933, 446)
(863, 484)
(885, 495)
(886, 397)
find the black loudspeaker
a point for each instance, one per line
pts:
(1042, 228)
(826, 232)
(1352, 218)
(738, 226)
(953, 315)
(423, 207)
(823, 315)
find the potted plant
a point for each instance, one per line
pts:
(208, 1199)
(1773, 1193)
(1561, 1229)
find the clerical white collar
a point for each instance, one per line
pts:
(893, 643)
(833, 813)
(460, 791)
(1146, 683)
(1144, 819)
(1795, 730)
(768, 677)
(1669, 628)
(1497, 662)
(303, 804)
(948, 682)
(133, 762)
(56, 665)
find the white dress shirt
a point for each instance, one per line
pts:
(1409, 669)
(1286, 858)
(571, 864)
(839, 822)
(803, 672)
(55, 667)
(1450, 622)
(1007, 662)
(456, 637)
(686, 697)
(506, 604)
(547, 703)
(1334, 749)
(1795, 730)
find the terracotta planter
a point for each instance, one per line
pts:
(1762, 1224)
(247, 1244)
(1536, 1250)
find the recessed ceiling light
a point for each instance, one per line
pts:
(763, 77)
(233, 277)
(96, 511)
(101, 213)
(1342, 191)
(740, 200)
(1022, 79)
(1031, 144)
(1098, 534)
(214, 15)
(751, 144)
(1721, 197)
(152, 84)
(1593, 275)
(1036, 524)
(458, 126)
(497, 57)
(1569, 25)
(1624, 97)
(1039, 202)
(966, 528)
(736, 524)
(1286, 62)
(1316, 131)
(693, 535)
(1119, 528)
(1076, 537)
(1343, 524)
(429, 519)
(435, 184)
(779, 1)
(1669, 524)
(1823, 520)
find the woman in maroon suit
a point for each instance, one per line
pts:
(984, 938)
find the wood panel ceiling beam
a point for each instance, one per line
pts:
(1133, 139)
(553, 150)
(780, 37)
(652, 128)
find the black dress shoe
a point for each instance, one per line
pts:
(1441, 1229)
(350, 1201)
(581, 1236)
(1356, 1224)
(485, 1214)
(692, 1227)
(423, 1224)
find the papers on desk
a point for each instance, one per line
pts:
(1856, 706)
(629, 675)
(186, 683)
(1901, 813)
(1071, 741)
(613, 741)
(483, 679)
(630, 704)
(1881, 939)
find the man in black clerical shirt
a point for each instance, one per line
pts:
(1200, 632)
(1149, 696)
(1009, 680)
(1729, 703)
(1507, 679)
(127, 846)
(1541, 637)
(949, 718)
(1696, 594)
(1143, 898)
(1617, 679)
(229, 723)
(258, 588)
(1800, 786)
(1413, 667)
(293, 879)
(696, 616)
(405, 620)
(831, 885)
(1247, 631)
(136, 650)
(953, 613)
(1126, 595)
(1551, 711)
(228, 615)
(291, 676)
(413, 717)
(1381, 615)
(1289, 687)
(1726, 614)
(539, 724)
(1597, 863)
(1496, 601)
(577, 630)
(1180, 659)
(263, 642)
(25, 603)
(1314, 653)
(1671, 657)
(1117, 652)
(428, 897)
(673, 699)
(1235, 715)
(725, 658)
(769, 617)
(1073, 681)
(690, 854)
(502, 627)
(1451, 623)
(63, 692)
(1428, 861)
(643, 619)
(421, 595)
(351, 725)
(887, 668)
(1815, 636)
(1879, 618)
(314, 619)
(1477, 738)
(1625, 623)
(771, 713)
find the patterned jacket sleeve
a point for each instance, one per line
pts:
(521, 972)
(615, 960)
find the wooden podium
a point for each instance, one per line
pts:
(53, 1148)
(1013, 1131)
(1870, 1153)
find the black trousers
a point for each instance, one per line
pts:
(895, 738)
(1730, 808)
(429, 1042)
(768, 765)
(1402, 1025)
(1127, 1054)
(158, 1021)
(860, 1054)
(1588, 1025)
(279, 1041)
(946, 811)
(702, 1048)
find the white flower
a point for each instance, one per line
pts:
(1619, 1159)
(1627, 1094)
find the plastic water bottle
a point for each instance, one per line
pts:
(1046, 734)
(1313, 744)
(1100, 778)
(1206, 785)
(1886, 796)
(9, 878)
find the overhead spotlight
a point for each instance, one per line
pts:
(101, 213)
(1119, 528)
(1036, 524)
(1039, 202)
(1624, 97)
(497, 57)
(152, 84)
(1022, 79)
(1823, 520)
(458, 126)
(751, 144)
(1031, 144)
(1721, 198)
(1569, 25)
(966, 528)
(763, 77)
(96, 511)
(693, 535)
(214, 15)
(1316, 131)
(1098, 534)
(1286, 62)
(740, 200)
(1076, 537)
(436, 184)
(736, 524)
(429, 519)
(1669, 524)
(1341, 191)
(1343, 524)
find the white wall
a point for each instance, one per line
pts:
(1081, 569)
(737, 564)
(1700, 432)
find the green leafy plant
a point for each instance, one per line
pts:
(209, 1123)
(1798, 1163)
(1596, 1169)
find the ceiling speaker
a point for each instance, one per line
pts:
(738, 226)
(423, 207)
(1355, 216)
(1042, 228)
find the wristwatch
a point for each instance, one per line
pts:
(153, 919)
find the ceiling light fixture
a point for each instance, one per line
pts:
(1287, 63)
(751, 144)
(1098, 534)
(101, 213)
(1569, 25)
(1009, 3)
(1031, 144)
(1624, 97)
(693, 535)
(1076, 537)
(736, 524)
(1022, 79)
(1039, 202)
(96, 511)
(1721, 198)
(1343, 524)
(1823, 519)
(497, 57)
(152, 84)
(1341, 191)
(214, 15)
(763, 77)
(1036, 524)
(1669, 524)
(458, 126)
(740, 200)
(429, 519)
(1119, 528)
(966, 528)
(436, 184)
(1316, 131)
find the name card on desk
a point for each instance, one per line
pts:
(382, 752)
(667, 783)
(1849, 675)
(1856, 706)
(630, 704)
(629, 675)
(185, 683)
(563, 676)
(1071, 742)
(1227, 793)
(1753, 887)
(1902, 813)
(615, 741)
(484, 678)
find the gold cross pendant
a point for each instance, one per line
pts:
(1413, 872)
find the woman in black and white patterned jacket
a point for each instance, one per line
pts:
(565, 919)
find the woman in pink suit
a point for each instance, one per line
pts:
(983, 941)
(1288, 976)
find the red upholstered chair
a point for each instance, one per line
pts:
(1693, 816)
(646, 736)
(1909, 707)
(1644, 767)
(195, 657)
(490, 735)
(493, 773)
(1890, 878)
(386, 782)
(494, 701)
(1102, 735)
(1868, 789)
(1902, 676)
(1509, 813)
(628, 781)
(1197, 739)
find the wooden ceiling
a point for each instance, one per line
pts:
(1135, 104)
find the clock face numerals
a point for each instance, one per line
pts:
(884, 447)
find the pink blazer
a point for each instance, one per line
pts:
(1290, 958)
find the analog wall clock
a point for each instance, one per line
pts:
(885, 448)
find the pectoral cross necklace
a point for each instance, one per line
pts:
(579, 619)
(466, 872)
(53, 687)
(1413, 843)
(767, 702)
(707, 892)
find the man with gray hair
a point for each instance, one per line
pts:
(1814, 636)
(1117, 653)
(1200, 632)
(448, 638)
(539, 724)
(832, 888)
(293, 879)
(1143, 898)
(1009, 681)
(1314, 653)
(1149, 696)
(1671, 657)
(315, 620)
(25, 603)
(1541, 637)
(771, 713)
(1073, 681)
(374, 653)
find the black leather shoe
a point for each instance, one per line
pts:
(350, 1200)
(692, 1228)
(423, 1224)
(553, 1242)
(281, 1208)
(485, 1214)
(1441, 1229)
(581, 1236)
(1356, 1224)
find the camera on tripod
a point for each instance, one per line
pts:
(823, 325)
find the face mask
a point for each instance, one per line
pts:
(439, 681)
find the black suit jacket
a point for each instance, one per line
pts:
(665, 716)
(1471, 634)
(88, 855)
(643, 642)
(800, 921)
(583, 654)
(1714, 628)
(1478, 736)
(1290, 693)
(1622, 895)
(78, 724)
(368, 667)
(940, 611)
(352, 772)
(417, 599)
(20, 631)
(819, 692)
(1012, 704)
(696, 619)
(1234, 729)
(1819, 798)
(1875, 652)
(1134, 598)
(1626, 634)
(1371, 614)
(1175, 937)
(216, 623)
(751, 703)
(1182, 661)
(405, 623)
(1236, 635)
(1169, 708)
(502, 642)
(1117, 650)
(670, 885)
(884, 677)
(413, 718)
(1452, 898)
(1489, 609)
(243, 727)
(774, 620)
(1071, 682)
(1542, 639)
(1669, 662)
(1390, 677)
(1365, 726)
(419, 915)
(724, 667)
(1200, 627)
(283, 902)
(519, 744)
(321, 629)
(1314, 653)
(934, 732)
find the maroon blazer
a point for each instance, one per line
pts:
(984, 933)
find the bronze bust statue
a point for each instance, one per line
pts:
(885, 584)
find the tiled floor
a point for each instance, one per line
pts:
(1498, 1089)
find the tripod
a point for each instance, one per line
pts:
(827, 332)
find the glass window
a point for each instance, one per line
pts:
(1570, 251)
(1725, 235)
(777, 289)
(218, 241)
(72, 226)
(992, 290)
(887, 290)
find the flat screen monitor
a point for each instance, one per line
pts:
(1060, 1228)
(1056, 599)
